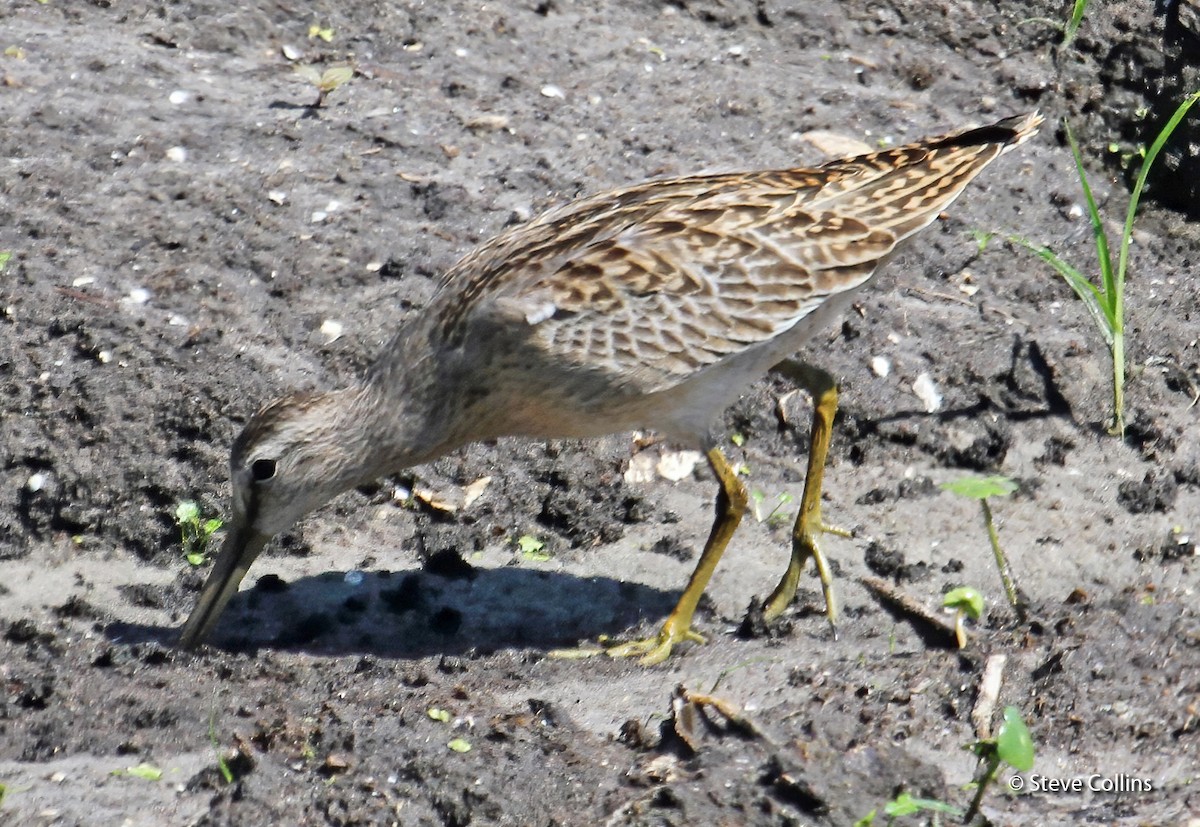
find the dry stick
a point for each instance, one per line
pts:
(891, 595)
(989, 694)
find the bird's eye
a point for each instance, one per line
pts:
(262, 470)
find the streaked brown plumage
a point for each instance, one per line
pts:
(652, 306)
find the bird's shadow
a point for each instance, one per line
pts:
(416, 614)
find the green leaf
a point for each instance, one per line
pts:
(196, 558)
(211, 527)
(966, 598)
(528, 543)
(982, 238)
(1014, 744)
(222, 764)
(5, 255)
(980, 488)
(866, 821)
(902, 805)
(438, 714)
(143, 770)
(460, 745)
(738, 439)
(309, 73)
(1092, 296)
(187, 512)
(335, 77)
(1076, 18)
(906, 805)
(531, 547)
(223, 768)
(1136, 195)
(1111, 289)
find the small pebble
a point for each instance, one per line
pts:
(331, 330)
(677, 465)
(927, 391)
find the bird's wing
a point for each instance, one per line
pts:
(672, 276)
(700, 281)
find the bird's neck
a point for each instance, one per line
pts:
(395, 416)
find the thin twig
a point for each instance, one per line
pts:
(907, 604)
(989, 695)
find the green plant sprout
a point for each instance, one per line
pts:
(905, 804)
(146, 771)
(776, 516)
(194, 534)
(1072, 25)
(222, 764)
(1013, 745)
(5, 255)
(981, 239)
(980, 488)
(325, 33)
(325, 82)
(966, 601)
(1068, 28)
(1106, 302)
(533, 549)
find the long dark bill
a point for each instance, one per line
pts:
(242, 545)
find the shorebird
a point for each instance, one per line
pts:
(652, 306)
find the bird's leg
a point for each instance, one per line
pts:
(731, 505)
(823, 389)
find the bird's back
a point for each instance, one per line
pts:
(689, 286)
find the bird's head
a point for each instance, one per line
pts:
(292, 457)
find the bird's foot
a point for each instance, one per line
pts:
(805, 546)
(651, 650)
(836, 530)
(656, 649)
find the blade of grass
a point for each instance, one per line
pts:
(1106, 302)
(1118, 299)
(1076, 18)
(1151, 154)
(1112, 293)
(1102, 248)
(1089, 294)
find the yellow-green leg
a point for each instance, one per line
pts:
(823, 389)
(731, 505)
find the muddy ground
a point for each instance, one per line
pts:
(184, 228)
